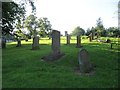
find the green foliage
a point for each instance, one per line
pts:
(31, 24)
(78, 31)
(39, 26)
(100, 30)
(113, 32)
(24, 68)
(45, 27)
(10, 13)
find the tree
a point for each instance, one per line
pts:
(100, 30)
(31, 24)
(78, 31)
(45, 27)
(113, 32)
(88, 32)
(10, 13)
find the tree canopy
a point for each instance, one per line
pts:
(78, 31)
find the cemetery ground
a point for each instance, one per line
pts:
(24, 68)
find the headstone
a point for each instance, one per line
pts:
(66, 33)
(68, 39)
(78, 41)
(56, 42)
(35, 44)
(84, 63)
(18, 43)
(90, 37)
(3, 42)
(56, 54)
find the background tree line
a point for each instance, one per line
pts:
(99, 30)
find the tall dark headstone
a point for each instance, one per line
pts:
(3, 42)
(56, 53)
(55, 42)
(78, 41)
(84, 63)
(35, 44)
(68, 39)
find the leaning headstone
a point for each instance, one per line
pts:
(78, 41)
(84, 64)
(56, 54)
(35, 44)
(18, 43)
(3, 42)
(68, 39)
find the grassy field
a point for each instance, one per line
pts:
(24, 68)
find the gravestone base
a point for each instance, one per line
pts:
(79, 46)
(35, 47)
(52, 57)
(90, 73)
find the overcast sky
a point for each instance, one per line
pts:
(65, 15)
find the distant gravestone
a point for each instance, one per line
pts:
(68, 39)
(35, 44)
(78, 41)
(3, 42)
(56, 54)
(18, 43)
(84, 63)
(66, 33)
(90, 37)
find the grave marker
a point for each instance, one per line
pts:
(78, 41)
(35, 44)
(84, 63)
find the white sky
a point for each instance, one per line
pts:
(65, 15)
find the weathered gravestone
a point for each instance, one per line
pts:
(84, 64)
(18, 43)
(3, 42)
(56, 54)
(68, 39)
(35, 44)
(78, 41)
(90, 37)
(66, 33)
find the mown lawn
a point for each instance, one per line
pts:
(24, 68)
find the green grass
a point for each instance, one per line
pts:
(24, 68)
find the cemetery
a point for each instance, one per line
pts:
(36, 54)
(23, 67)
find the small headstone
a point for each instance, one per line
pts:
(35, 44)
(108, 41)
(68, 39)
(84, 63)
(66, 33)
(78, 41)
(3, 42)
(18, 43)
(56, 54)
(90, 37)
